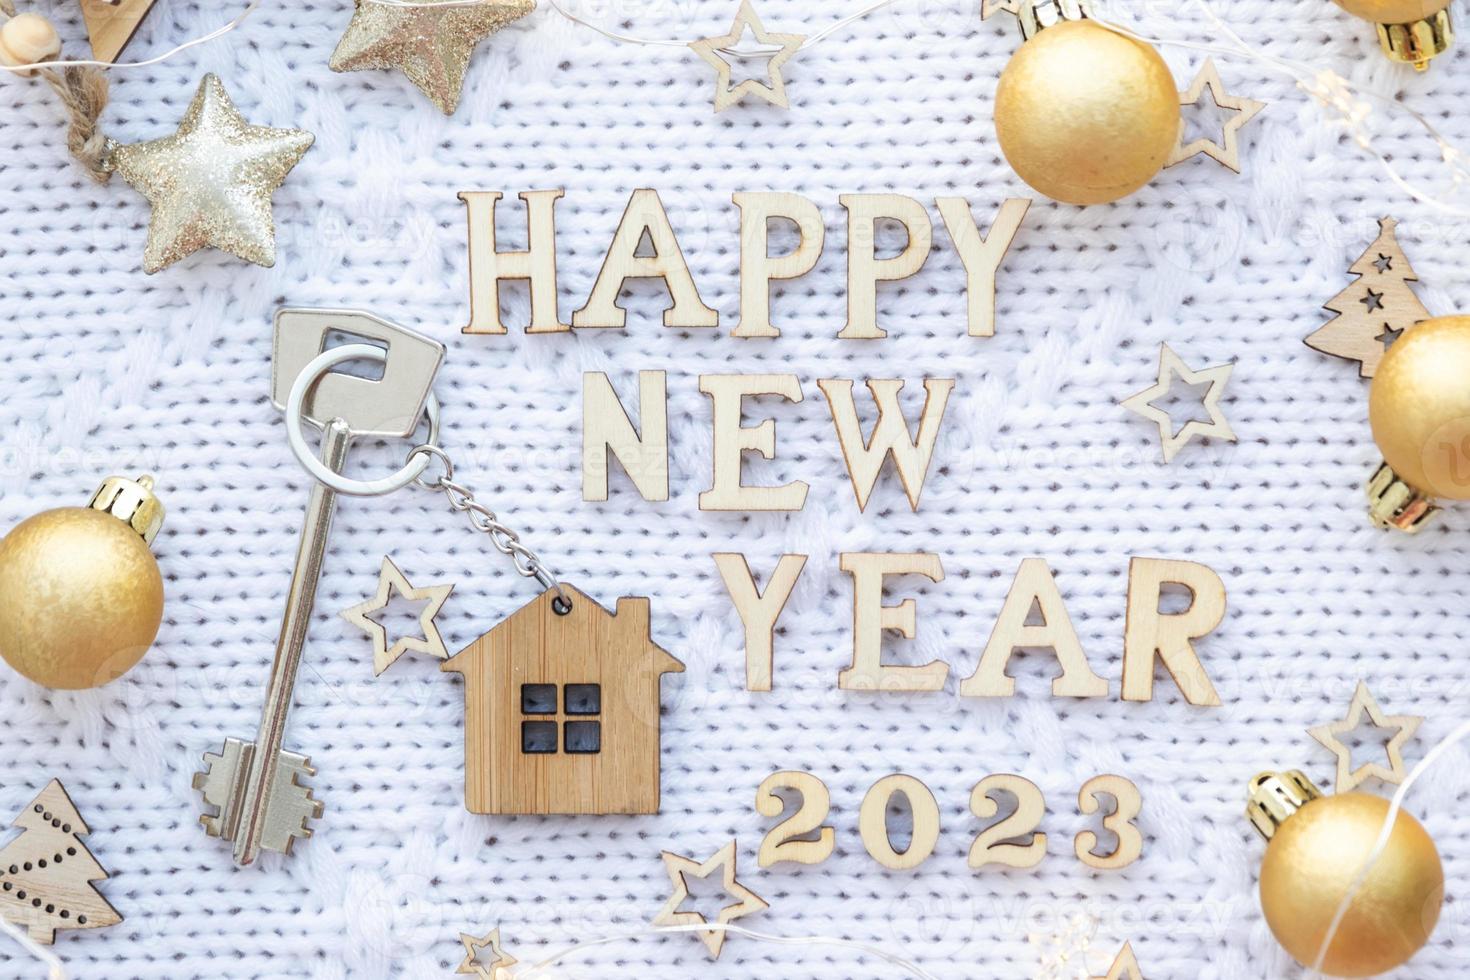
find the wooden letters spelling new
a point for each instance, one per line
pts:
(608, 433)
(1151, 635)
(646, 217)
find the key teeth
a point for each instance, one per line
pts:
(291, 806)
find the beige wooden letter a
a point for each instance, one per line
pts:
(645, 215)
(870, 618)
(864, 269)
(759, 612)
(1150, 633)
(865, 458)
(1034, 584)
(607, 431)
(982, 255)
(758, 267)
(732, 441)
(488, 266)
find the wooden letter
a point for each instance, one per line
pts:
(870, 618)
(781, 844)
(890, 434)
(1034, 584)
(645, 216)
(1149, 632)
(982, 256)
(732, 440)
(758, 267)
(759, 612)
(537, 263)
(607, 431)
(865, 269)
(1120, 822)
(873, 822)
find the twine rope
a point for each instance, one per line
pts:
(82, 90)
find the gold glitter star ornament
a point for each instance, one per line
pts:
(431, 42)
(211, 182)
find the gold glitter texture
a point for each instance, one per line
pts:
(429, 45)
(211, 182)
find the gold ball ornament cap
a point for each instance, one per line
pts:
(1315, 852)
(1419, 408)
(1411, 31)
(81, 596)
(1085, 115)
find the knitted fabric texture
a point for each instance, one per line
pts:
(107, 370)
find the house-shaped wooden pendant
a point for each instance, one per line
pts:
(562, 710)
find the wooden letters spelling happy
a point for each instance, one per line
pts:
(646, 220)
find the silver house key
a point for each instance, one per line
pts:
(255, 787)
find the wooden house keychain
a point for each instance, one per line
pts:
(562, 699)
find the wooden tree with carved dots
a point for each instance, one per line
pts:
(46, 873)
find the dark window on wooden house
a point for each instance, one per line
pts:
(579, 719)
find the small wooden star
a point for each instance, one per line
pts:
(1125, 966)
(1227, 151)
(1349, 778)
(778, 48)
(1170, 367)
(994, 6)
(472, 948)
(390, 579)
(747, 902)
(111, 24)
(431, 43)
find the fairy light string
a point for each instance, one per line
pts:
(538, 969)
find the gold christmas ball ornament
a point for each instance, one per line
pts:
(1412, 31)
(1085, 115)
(1316, 847)
(81, 597)
(1419, 407)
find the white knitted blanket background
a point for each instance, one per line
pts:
(106, 370)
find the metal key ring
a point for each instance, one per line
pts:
(296, 436)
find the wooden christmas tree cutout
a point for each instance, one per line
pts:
(1375, 310)
(46, 872)
(111, 24)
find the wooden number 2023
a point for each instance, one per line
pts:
(1014, 841)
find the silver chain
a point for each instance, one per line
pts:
(462, 500)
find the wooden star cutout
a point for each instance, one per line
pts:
(211, 182)
(111, 24)
(472, 964)
(1170, 367)
(748, 902)
(1349, 778)
(718, 51)
(1226, 152)
(390, 579)
(1125, 967)
(994, 6)
(430, 45)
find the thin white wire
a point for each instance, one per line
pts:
(898, 961)
(1454, 738)
(55, 969)
(556, 5)
(219, 32)
(1323, 85)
